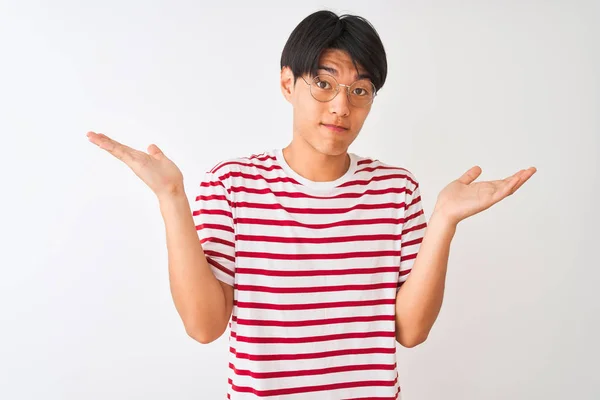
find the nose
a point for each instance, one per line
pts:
(340, 104)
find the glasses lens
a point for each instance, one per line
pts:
(362, 93)
(323, 87)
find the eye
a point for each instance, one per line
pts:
(323, 85)
(360, 92)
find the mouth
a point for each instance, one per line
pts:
(335, 128)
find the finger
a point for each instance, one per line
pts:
(512, 177)
(525, 175)
(155, 152)
(119, 150)
(505, 187)
(470, 175)
(513, 183)
(509, 181)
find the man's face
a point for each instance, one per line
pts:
(311, 117)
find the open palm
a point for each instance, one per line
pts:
(463, 197)
(154, 168)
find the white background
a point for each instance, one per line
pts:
(85, 307)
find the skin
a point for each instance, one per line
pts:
(318, 154)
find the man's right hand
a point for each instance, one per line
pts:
(157, 171)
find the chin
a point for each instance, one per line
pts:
(330, 150)
(327, 145)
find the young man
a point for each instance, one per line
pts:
(318, 259)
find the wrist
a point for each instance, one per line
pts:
(172, 199)
(442, 220)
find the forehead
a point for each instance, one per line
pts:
(339, 62)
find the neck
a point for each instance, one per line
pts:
(313, 165)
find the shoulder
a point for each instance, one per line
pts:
(396, 174)
(225, 169)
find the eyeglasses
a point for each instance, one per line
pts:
(324, 88)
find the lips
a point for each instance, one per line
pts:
(337, 128)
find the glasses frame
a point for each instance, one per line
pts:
(337, 90)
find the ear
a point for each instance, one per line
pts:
(287, 83)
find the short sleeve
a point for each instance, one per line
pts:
(213, 218)
(413, 230)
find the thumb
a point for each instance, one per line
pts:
(155, 152)
(470, 175)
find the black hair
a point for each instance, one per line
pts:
(324, 30)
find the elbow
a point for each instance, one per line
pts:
(411, 341)
(200, 337)
(203, 335)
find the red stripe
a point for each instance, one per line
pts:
(211, 183)
(384, 167)
(306, 389)
(317, 211)
(395, 397)
(212, 253)
(408, 257)
(263, 157)
(211, 197)
(313, 306)
(313, 322)
(415, 200)
(217, 240)
(219, 266)
(310, 356)
(244, 189)
(362, 182)
(413, 216)
(313, 339)
(215, 226)
(314, 240)
(316, 272)
(212, 212)
(324, 256)
(366, 161)
(414, 228)
(412, 242)
(312, 372)
(257, 177)
(251, 165)
(274, 222)
(317, 289)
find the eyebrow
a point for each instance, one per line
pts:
(334, 71)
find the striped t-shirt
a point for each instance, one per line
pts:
(315, 268)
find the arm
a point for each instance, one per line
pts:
(202, 301)
(419, 299)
